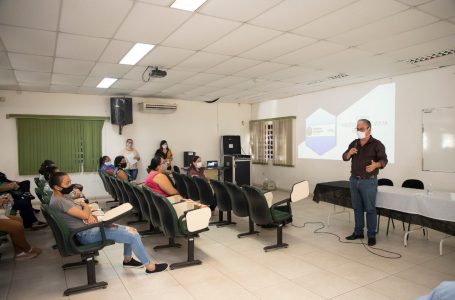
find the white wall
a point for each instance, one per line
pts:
(195, 126)
(434, 88)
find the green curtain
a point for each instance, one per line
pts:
(73, 144)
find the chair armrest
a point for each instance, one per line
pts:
(269, 197)
(197, 219)
(285, 201)
(73, 233)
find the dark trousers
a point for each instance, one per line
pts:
(363, 197)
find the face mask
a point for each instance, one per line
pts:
(164, 146)
(67, 190)
(107, 163)
(164, 167)
(198, 165)
(361, 134)
(129, 145)
(123, 165)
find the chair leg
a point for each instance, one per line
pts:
(279, 240)
(91, 280)
(393, 224)
(251, 229)
(139, 220)
(220, 219)
(171, 244)
(151, 231)
(377, 227)
(77, 264)
(190, 261)
(228, 221)
(388, 225)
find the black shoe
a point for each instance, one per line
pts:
(371, 241)
(133, 264)
(36, 210)
(158, 268)
(355, 236)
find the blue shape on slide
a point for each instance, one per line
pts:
(321, 131)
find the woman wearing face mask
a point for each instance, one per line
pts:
(120, 165)
(132, 157)
(106, 165)
(157, 181)
(165, 153)
(76, 216)
(196, 168)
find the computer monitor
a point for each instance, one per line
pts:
(211, 164)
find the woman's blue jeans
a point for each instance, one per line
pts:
(363, 198)
(120, 234)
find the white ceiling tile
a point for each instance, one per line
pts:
(290, 14)
(350, 17)
(278, 46)
(64, 79)
(177, 89)
(28, 62)
(199, 32)
(33, 77)
(32, 87)
(414, 2)
(135, 73)
(227, 81)
(127, 84)
(202, 90)
(22, 40)
(273, 86)
(424, 49)
(109, 70)
(80, 47)
(7, 77)
(165, 57)
(91, 91)
(409, 38)
(4, 61)
(243, 38)
(158, 2)
(239, 10)
(249, 84)
(115, 51)
(287, 73)
(154, 86)
(41, 14)
(201, 79)
(262, 69)
(401, 22)
(440, 8)
(233, 65)
(151, 24)
(343, 58)
(222, 93)
(309, 53)
(99, 18)
(118, 92)
(72, 66)
(316, 75)
(64, 89)
(201, 61)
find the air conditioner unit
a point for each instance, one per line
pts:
(157, 108)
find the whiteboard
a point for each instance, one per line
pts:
(438, 139)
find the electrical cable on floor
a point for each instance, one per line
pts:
(395, 255)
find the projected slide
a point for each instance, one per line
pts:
(327, 135)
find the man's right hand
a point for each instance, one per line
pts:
(352, 151)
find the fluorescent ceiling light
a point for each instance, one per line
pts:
(189, 5)
(136, 54)
(106, 82)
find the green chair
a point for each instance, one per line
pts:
(68, 246)
(182, 220)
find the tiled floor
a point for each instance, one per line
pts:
(315, 266)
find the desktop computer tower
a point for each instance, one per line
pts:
(187, 158)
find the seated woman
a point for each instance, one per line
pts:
(44, 165)
(157, 181)
(76, 216)
(13, 226)
(50, 171)
(106, 165)
(196, 168)
(120, 165)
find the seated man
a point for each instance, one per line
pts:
(77, 215)
(157, 181)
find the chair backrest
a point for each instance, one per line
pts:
(170, 179)
(168, 217)
(223, 200)
(145, 210)
(238, 201)
(191, 187)
(413, 184)
(154, 216)
(385, 181)
(176, 169)
(109, 186)
(37, 182)
(205, 191)
(122, 190)
(180, 184)
(39, 194)
(257, 204)
(59, 229)
(132, 196)
(300, 190)
(103, 179)
(116, 188)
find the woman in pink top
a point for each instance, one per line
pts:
(157, 181)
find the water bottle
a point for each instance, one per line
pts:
(430, 189)
(8, 207)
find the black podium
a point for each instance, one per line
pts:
(237, 169)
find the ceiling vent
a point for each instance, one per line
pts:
(430, 56)
(334, 77)
(157, 108)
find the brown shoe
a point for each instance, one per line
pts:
(38, 225)
(25, 255)
(36, 250)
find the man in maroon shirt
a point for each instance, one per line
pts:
(367, 156)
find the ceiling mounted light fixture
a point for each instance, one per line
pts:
(136, 53)
(419, 59)
(106, 83)
(189, 5)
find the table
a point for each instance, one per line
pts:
(434, 210)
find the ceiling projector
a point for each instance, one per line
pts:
(157, 73)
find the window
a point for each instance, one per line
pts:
(272, 140)
(73, 143)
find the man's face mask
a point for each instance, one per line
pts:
(67, 190)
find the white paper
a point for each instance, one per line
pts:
(130, 158)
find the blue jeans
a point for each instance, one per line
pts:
(120, 234)
(132, 173)
(363, 197)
